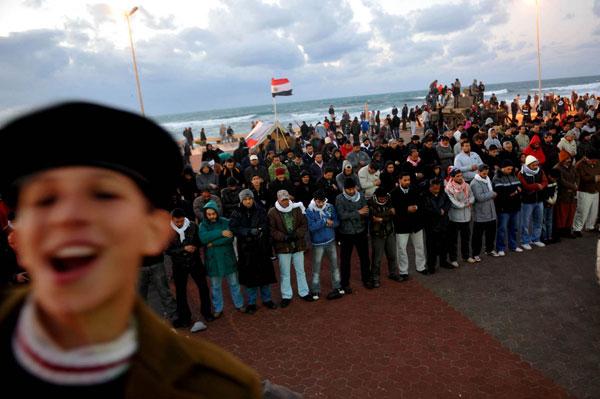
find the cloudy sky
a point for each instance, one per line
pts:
(198, 55)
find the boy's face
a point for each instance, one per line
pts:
(82, 233)
(211, 215)
(178, 221)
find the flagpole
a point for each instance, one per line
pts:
(275, 108)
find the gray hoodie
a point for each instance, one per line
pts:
(484, 209)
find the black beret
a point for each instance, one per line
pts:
(84, 134)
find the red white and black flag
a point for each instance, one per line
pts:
(281, 87)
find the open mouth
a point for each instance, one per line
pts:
(72, 262)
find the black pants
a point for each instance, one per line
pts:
(465, 240)
(348, 242)
(437, 247)
(479, 229)
(180, 275)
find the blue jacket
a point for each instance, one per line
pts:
(320, 234)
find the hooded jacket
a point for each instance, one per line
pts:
(538, 153)
(320, 233)
(204, 180)
(219, 255)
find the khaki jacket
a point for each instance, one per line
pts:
(168, 365)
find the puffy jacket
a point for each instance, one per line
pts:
(483, 208)
(384, 211)
(351, 222)
(320, 233)
(509, 196)
(531, 192)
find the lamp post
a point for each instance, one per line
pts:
(135, 69)
(537, 28)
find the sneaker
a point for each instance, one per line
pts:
(518, 249)
(376, 284)
(476, 258)
(454, 264)
(525, 246)
(347, 290)
(217, 315)
(198, 326)
(424, 272)
(394, 277)
(403, 277)
(539, 244)
(470, 260)
(493, 253)
(285, 302)
(307, 298)
(315, 296)
(270, 305)
(446, 265)
(335, 294)
(500, 253)
(242, 309)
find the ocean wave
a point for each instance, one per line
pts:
(581, 88)
(197, 124)
(501, 91)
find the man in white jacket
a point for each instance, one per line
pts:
(369, 179)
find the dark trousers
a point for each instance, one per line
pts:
(479, 229)
(180, 275)
(381, 246)
(155, 276)
(348, 242)
(465, 240)
(437, 247)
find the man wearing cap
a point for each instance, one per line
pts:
(275, 165)
(566, 201)
(279, 183)
(369, 179)
(484, 214)
(352, 209)
(357, 157)
(79, 220)
(347, 173)
(508, 206)
(534, 181)
(288, 229)
(467, 162)
(461, 197)
(250, 225)
(408, 223)
(255, 169)
(322, 222)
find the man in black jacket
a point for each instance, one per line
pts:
(408, 223)
(436, 205)
(183, 251)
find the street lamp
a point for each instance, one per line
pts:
(537, 26)
(135, 69)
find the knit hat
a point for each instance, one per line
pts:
(245, 193)
(563, 156)
(282, 194)
(279, 172)
(506, 163)
(349, 183)
(489, 121)
(530, 159)
(346, 164)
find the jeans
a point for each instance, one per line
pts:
(155, 275)
(531, 222)
(508, 225)
(285, 264)
(547, 224)
(265, 294)
(417, 241)
(317, 256)
(383, 246)
(479, 229)
(234, 289)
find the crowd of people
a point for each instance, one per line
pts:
(493, 187)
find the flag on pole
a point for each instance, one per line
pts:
(281, 87)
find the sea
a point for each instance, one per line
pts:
(289, 111)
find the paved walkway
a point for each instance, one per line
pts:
(523, 326)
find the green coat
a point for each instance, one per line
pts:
(219, 256)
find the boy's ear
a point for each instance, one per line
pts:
(158, 232)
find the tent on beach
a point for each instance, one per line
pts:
(264, 129)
